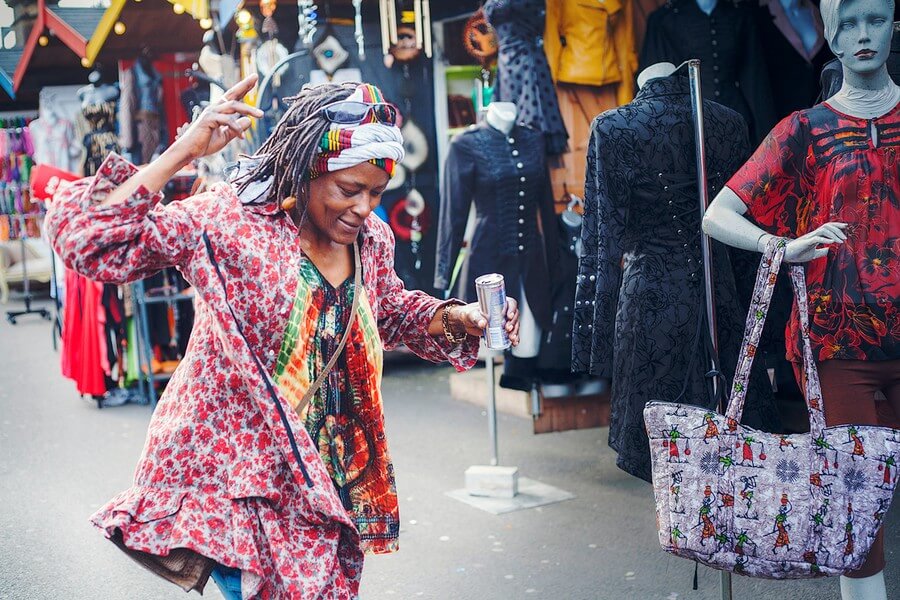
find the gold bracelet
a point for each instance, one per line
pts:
(448, 333)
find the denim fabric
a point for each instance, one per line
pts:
(229, 581)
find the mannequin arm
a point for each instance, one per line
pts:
(725, 222)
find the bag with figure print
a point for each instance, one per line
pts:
(768, 505)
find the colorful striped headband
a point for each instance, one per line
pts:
(345, 146)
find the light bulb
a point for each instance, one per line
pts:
(119, 27)
(85, 63)
(43, 40)
(206, 23)
(178, 8)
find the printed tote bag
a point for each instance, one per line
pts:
(767, 505)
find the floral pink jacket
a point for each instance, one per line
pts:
(228, 469)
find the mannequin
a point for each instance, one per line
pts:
(502, 117)
(500, 167)
(828, 235)
(832, 74)
(638, 316)
(802, 20)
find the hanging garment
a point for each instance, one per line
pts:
(793, 70)
(83, 353)
(819, 166)
(555, 358)
(506, 177)
(727, 43)
(592, 43)
(579, 105)
(101, 138)
(523, 75)
(639, 317)
(142, 122)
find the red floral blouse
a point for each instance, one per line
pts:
(818, 166)
(228, 469)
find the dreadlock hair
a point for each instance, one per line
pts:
(288, 153)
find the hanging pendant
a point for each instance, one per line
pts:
(385, 30)
(426, 26)
(358, 31)
(308, 18)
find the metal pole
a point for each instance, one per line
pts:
(706, 246)
(492, 408)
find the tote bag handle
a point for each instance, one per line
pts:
(766, 277)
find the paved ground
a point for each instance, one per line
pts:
(60, 458)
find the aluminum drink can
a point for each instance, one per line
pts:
(492, 300)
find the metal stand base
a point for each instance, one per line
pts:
(12, 315)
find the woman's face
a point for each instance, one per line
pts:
(864, 34)
(340, 201)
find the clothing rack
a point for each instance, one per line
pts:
(13, 315)
(147, 379)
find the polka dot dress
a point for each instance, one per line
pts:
(523, 75)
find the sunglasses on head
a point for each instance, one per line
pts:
(351, 112)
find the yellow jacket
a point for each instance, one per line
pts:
(591, 42)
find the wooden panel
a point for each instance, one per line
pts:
(572, 412)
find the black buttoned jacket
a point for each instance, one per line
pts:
(506, 177)
(733, 68)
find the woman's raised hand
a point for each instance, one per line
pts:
(218, 124)
(806, 248)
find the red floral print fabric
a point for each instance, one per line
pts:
(228, 469)
(819, 166)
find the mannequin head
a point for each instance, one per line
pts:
(853, 27)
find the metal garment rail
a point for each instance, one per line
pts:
(147, 379)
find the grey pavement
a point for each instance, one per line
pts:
(61, 458)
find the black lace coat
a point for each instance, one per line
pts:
(639, 305)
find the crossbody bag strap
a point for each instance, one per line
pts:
(357, 292)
